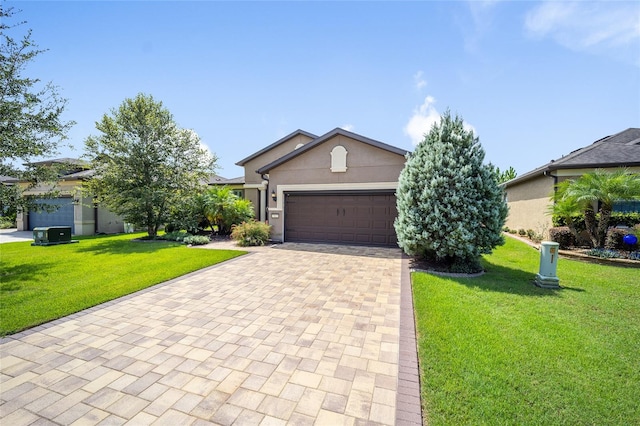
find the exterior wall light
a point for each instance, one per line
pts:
(274, 197)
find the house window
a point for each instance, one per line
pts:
(238, 192)
(626, 206)
(339, 159)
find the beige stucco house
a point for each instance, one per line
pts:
(335, 188)
(528, 195)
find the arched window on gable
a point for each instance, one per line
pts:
(339, 159)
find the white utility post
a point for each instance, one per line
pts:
(546, 277)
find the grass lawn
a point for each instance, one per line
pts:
(39, 284)
(498, 350)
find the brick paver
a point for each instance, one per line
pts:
(298, 334)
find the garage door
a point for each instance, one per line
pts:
(63, 216)
(358, 218)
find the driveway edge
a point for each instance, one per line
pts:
(408, 406)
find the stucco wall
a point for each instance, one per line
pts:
(108, 222)
(528, 202)
(368, 168)
(250, 167)
(84, 215)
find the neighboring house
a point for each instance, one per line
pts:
(73, 208)
(335, 188)
(236, 185)
(528, 195)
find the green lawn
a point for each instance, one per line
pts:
(39, 284)
(498, 350)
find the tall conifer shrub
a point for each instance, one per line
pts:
(450, 207)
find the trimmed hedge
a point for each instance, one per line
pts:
(196, 240)
(614, 239)
(563, 236)
(626, 219)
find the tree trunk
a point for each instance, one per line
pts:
(590, 223)
(572, 229)
(152, 226)
(603, 225)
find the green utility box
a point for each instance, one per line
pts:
(52, 235)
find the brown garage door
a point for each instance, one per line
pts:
(347, 218)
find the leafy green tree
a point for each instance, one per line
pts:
(506, 175)
(450, 207)
(144, 164)
(595, 193)
(31, 123)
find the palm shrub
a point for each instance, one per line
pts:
(450, 207)
(216, 209)
(592, 195)
(225, 209)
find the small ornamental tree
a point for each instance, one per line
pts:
(450, 207)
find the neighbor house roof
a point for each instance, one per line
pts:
(619, 150)
(318, 140)
(72, 161)
(219, 180)
(275, 144)
(79, 169)
(8, 179)
(83, 174)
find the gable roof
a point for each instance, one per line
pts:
(8, 179)
(619, 150)
(80, 164)
(318, 140)
(275, 144)
(219, 180)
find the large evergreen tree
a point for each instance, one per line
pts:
(450, 207)
(31, 123)
(144, 163)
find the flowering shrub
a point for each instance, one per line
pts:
(251, 233)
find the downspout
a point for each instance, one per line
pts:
(265, 207)
(555, 187)
(555, 179)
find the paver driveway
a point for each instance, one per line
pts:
(292, 334)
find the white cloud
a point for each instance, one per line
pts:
(421, 121)
(419, 80)
(588, 26)
(482, 14)
(423, 118)
(348, 127)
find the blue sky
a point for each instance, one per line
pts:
(535, 80)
